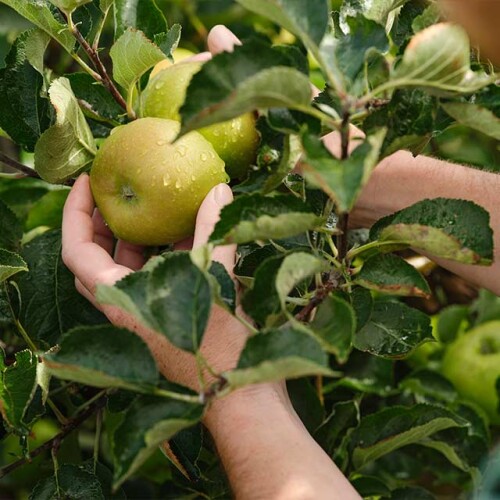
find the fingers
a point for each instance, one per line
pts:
(129, 255)
(89, 262)
(102, 234)
(208, 215)
(220, 39)
(201, 57)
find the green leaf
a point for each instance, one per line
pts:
(35, 46)
(105, 5)
(391, 274)
(180, 300)
(334, 325)
(410, 118)
(274, 355)
(174, 298)
(112, 357)
(365, 373)
(451, 321)
(10, 264)
(50, 304)
(392, 428)
(17, 389)
(11, 230)
(225, 292)
(143, 15)
(343, 418)
(296, 268)
(376, 11)
(370, 487)
(427, 385)
(393, 331)
(453, 229)
(307, 20)
(67, 147)
(169, 40)
(346, 56)
(342, 180)
(148, 422)
(249, 83)
(132, 55)
(262, 302)
(411, 493)
(257, 217)
(75, 482)
(39, 13)
(25, 113)
(95, 95)
(475, 117)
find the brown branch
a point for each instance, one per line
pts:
(98, 65)
(55, 442)
(343, 218)
(10, 162)
(319, 297)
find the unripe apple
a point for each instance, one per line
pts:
(440, 53)
(148, 189)
(235, 140)
(472, 363)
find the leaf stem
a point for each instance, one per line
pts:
(102, 74)
(10, 162)
(70, 426)
(163, 393)
(97, 437)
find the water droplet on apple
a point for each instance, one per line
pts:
(203, 157)
(216, 132)
(159, 85)
(177, 184)
(166, 180)
(161, 143)
(181, 150)
(193, 178)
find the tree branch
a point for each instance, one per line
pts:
(343, 218)
(10, 162)
(98, 65)
(56, 440)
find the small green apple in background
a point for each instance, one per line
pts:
(235, 141)
(472, 363)
(149, 190)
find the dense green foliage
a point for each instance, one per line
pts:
(364, 368)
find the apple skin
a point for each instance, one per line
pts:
(235, 141)
(472, 363)
(149, 190)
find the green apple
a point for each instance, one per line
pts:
(149, 189)
(235, 141)
(472, 363)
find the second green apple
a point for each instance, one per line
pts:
(235, 141)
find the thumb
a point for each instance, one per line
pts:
(221, 39)
(208, 216)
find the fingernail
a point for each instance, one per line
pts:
(222, 195)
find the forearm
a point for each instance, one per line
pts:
(267, 452)
(402, 180)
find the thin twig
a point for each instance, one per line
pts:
(10, 162)
(98, 65)
(56, 440)
(343, 218)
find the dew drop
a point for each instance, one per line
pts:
(203, 157)
(181, 150)
(159, 85)
(166, 180)
(216, 132)
(193, 178)
(161, 143)
(177, 184)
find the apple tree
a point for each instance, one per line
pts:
(84, 408)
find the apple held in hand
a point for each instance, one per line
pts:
(149, 190)
(472, 363)
(235, 141)
(178, 55)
